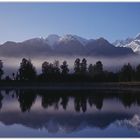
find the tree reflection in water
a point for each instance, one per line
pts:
(1, 98)
(26, 99)
(55, 99)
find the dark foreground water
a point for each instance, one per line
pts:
(41, 113)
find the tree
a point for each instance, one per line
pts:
(7, 78)
(83, 66)
(64, 102)
(27, 70)
(1, 69)
(91, 69)
(64, 68)
(51, 69)
(127, 73)
(98, 67)
(45, 68)
(26, 99)
(13, 75)
(1, 98)
(138, 72)
(17, 76)
(77, 66)
(96, 71)
(56, 67)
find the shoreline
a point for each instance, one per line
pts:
(135, 86)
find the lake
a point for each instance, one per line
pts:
(53, 113)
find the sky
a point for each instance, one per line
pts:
(21, 21)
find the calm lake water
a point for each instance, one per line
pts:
(42, 113)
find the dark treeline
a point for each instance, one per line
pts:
(81, 72)
(58, 99)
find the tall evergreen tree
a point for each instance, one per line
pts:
(27, 70)
(97, 71)
(56, 67)
(138, 73)
(64, 68)
(98, 67)
(1, 69)
(77, 66)
(127, 73)
(91, 69)
(45, 69)
(83, 67)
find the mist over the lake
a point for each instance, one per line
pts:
(11, 64)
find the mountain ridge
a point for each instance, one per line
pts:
(68, 45)
(133, 43)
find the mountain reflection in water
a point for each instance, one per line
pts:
(68, 111)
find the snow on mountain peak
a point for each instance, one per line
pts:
(70, 37)
(67, 37)
(121, 43)
(52, 39)
(134, 122)
(133, 43)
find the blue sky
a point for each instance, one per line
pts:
(21, 21)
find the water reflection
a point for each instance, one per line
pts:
(81, 99)
(67, 111)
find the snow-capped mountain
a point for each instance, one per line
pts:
(52, 39)
(133, 123)
(67, 45)
(133, 43)
(101, 47)
(70, 37)
(121, 43)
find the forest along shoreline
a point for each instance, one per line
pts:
(112, 86)
(84, 76)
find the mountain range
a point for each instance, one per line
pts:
(69, 45)
(133, 43)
